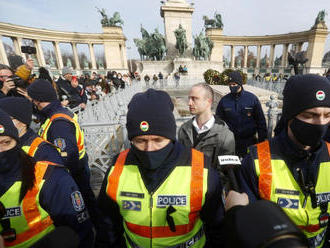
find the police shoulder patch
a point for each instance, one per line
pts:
(60, 143)
(77, 201)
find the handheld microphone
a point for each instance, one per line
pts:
(230, 163)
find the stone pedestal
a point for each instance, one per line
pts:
(176, 12)
(115, 49)
(215, 34)
(315, 51)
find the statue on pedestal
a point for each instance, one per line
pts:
(151, 46)
(181, 40)
(320, 17)
(68, 63)
(114, 21)
(213, 23)
(297, 58)
(203, 47)
(85, 62)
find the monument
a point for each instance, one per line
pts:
(175, 13)
(176, 45)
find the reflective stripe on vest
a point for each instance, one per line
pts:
(79, 133)
(276, 183)
(32, 149)
(197, 185)
(35, 221)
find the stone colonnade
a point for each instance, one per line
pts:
(112, 39)
(315, 37)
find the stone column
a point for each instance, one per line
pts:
(92, 54)
(258, 56)
(123, 55)
(284, 61)
(75, 55)
(58, 55)
(232, 57)
(271, 57)
(245, 56)
(299, 46)
(3, 55)
(40, 53)
(17, 45)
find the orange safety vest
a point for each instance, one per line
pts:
(79, 132)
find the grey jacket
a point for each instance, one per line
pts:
(219, 141)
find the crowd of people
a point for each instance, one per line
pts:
(168, 189)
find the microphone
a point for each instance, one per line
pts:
(228, 164)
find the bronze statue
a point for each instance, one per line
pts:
(151, 46)
(181, 40)
(320, 17)
(114, 21)
(297, 58)
(203, 47)
(213, 23)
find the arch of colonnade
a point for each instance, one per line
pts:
(315, 37)
(112, 39)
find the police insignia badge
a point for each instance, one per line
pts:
(77, 201)
(131, 205)
(60, 143)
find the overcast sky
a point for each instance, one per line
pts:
(240, 17)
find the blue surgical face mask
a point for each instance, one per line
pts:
(153, 160)
(234, 89)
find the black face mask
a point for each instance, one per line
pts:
(308, 134)
(234, 89)
(153, 160)
(8, 159)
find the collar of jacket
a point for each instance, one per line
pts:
(238, 95)
(292, 151)
(215, 130)
(51, 108)
(29, 133)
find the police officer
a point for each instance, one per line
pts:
(242, 112)
(292, 169)
(159, 193)
(38, 197)
(61, 128)
(20, 110)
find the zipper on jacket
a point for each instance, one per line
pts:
(150, 211)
